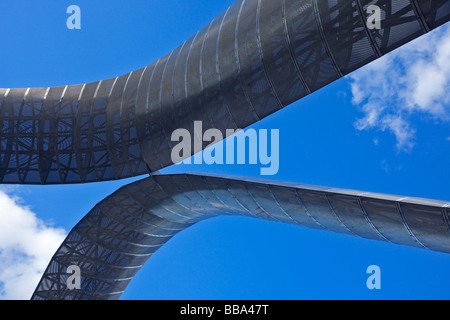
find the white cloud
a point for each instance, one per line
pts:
(26, 247)
(414, 79)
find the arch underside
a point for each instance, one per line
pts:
(254, 59)
(112, 242)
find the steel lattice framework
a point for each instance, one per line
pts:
(254, 59)
(122, 232)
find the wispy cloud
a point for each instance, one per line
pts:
(26, 247)
(414, 79)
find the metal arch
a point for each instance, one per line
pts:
(237, 72)
(113, 241)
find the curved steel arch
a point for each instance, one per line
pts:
(255, 58)
(113, 241)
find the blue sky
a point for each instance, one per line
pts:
(382, 129)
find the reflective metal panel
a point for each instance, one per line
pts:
(255, 58)
(117, 237)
